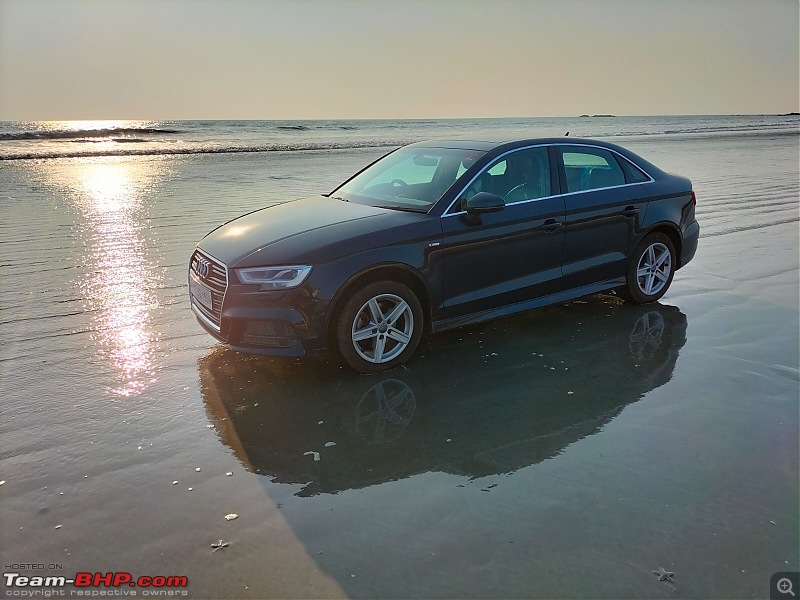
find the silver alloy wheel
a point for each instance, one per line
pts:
(382, 328)
(654, 268)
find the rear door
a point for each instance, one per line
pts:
(604, 213)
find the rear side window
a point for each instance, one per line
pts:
(590, 169)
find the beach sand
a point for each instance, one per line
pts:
(568, 452)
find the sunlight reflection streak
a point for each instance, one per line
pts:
(109, 196)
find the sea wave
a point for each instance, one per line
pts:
(207, 150)
(68, 134)
(754, 129)
(724, 128)
(130, 140)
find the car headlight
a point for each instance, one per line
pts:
(276, 278)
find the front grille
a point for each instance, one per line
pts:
(216, 280)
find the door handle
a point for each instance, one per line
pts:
(630, 211)
(551, 225)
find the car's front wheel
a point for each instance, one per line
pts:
(379, 326)
(651, 269)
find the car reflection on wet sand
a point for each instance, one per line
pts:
(485, 400)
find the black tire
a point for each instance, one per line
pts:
(646, 282)
(386, 343)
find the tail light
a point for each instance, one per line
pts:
(694, 199)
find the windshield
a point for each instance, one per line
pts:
(410, 178)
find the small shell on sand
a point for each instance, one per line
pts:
(231, 517)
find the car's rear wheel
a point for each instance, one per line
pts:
(379, 327)
(650, 270)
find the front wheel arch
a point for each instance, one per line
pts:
(379, 326)
(383, 272)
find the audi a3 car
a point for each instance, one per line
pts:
(442, 234)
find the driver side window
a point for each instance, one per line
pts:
(516, 177)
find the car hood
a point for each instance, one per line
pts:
(282, 230)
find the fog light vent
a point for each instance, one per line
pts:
(271, 334)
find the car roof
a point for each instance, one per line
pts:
(487, 145)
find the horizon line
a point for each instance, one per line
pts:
(473, 118)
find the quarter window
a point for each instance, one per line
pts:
(590, 168)
(632, 174)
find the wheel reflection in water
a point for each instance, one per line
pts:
(384, 411)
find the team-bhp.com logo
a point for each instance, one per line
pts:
(158, 585)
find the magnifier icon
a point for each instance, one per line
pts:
(784, 586)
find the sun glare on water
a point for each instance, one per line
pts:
(118, 280)
(110, 198)
(90, 125)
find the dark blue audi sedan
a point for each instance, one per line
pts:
(437, 235)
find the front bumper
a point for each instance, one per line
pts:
(277, 331)
(248, 319)
(276, 323)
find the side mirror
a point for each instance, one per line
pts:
(484, 202)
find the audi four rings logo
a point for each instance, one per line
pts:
(202, 267)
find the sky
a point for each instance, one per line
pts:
(304, 59)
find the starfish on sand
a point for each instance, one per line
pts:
(664, 575)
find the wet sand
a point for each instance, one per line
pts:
(567, 452)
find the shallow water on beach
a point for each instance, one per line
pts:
(567, 452)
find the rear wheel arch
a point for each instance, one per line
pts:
(650, 269)
(674, 234)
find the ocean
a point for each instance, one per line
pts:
(56, 139)
(566, 452)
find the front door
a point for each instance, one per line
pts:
(510, 256)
